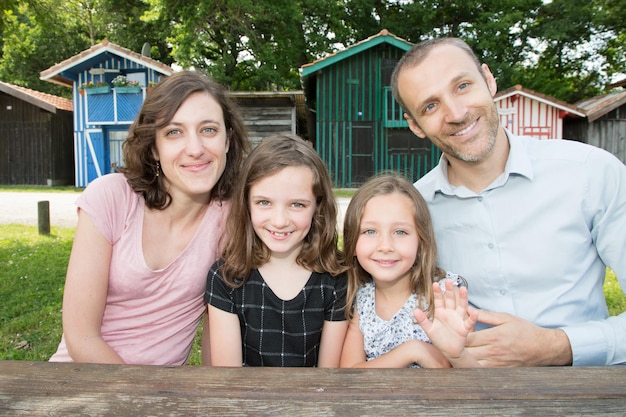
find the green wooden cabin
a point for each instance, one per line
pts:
(359, 127)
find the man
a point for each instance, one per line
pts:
(531, 224)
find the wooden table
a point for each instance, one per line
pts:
(49, 389)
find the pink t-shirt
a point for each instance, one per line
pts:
(151, 316)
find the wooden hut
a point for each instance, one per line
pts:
(268, 113)
(529, 113)
(36, 140)
(605, 124)
(359, 128)
(102, 116)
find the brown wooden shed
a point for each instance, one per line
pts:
(605, 124)
(267, 113)
(36, 137)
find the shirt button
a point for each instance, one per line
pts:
(490, 246)
(480, 199)
(502, 292)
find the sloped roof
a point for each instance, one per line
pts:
(597, 107)
(543, 98)
(90, 58)
(384, 36)
(45, 101)
(620, 83)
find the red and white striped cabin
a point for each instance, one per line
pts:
(528, 113)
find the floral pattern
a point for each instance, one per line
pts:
(381, 336)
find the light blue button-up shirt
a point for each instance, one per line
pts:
(536, 242)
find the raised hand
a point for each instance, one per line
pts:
(452, 323)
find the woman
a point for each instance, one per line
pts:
(147, 236)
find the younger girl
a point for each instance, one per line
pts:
(390, 249)
(277, 296)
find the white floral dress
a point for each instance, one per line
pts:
(381, 336)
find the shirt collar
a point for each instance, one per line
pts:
(518, 163)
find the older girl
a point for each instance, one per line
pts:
(277, 297)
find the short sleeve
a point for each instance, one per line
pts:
(218, 293)
(110, 202)
(336, 306)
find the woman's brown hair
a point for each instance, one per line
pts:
(425, 270)
(162, 103)
(243, 250)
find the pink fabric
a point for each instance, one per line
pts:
(151, 317)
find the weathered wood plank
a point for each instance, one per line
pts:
(47, 389)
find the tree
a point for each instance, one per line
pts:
(251, 44)
(32, 43)
(565, 48)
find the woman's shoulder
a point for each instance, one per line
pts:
(111, 190)
(109, 184)
(115, 179)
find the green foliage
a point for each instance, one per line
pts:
(36, 37)
(568, 49)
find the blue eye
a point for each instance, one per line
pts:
(172, 132)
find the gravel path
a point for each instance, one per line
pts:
(21, 208)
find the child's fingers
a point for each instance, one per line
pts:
(438, 296)
(422, 319)
(451, 295)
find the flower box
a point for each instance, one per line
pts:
(128, 90)
(98, 90)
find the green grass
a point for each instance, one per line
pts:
(344, 192)
(39, 189)
(33, 272)
(615, 298)
(32, 276)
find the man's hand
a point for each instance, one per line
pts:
(516, 342)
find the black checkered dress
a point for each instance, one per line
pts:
(278, 332)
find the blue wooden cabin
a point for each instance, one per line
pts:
(359, 127)
(102, 116)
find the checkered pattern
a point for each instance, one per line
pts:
(278, 332)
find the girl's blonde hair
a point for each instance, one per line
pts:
(243, 250)
(425, 270)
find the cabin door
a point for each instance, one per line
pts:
(361, 157)
(94, 153)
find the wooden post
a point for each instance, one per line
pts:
(43, 217)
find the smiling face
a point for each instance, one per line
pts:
(192, 147)
(451, 103)
(282, 206)
(388, 239)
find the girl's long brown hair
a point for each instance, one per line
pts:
(425, 270)
(243, 250)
